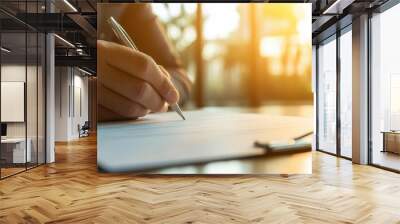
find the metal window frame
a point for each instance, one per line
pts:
(326, 40)
(381, 9)
(387, 5)
(340, 33)
(333, 37)
(44, 74)
(0, 96)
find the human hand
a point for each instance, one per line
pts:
(130, 83)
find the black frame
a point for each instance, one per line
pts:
(382, 8)
(43, 55)
(332, 37)
(340, 30)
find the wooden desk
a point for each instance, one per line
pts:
(391, 141)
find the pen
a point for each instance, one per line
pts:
(127, 41)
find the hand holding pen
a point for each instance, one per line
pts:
(131, 84)
(124, 37)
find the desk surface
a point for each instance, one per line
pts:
(390, 132)
(13, 140)
(162, 141)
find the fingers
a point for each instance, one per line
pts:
(166, 73)
(164, 108)
(131, 94)
(119, 104)
(132, 88)
(139, 66)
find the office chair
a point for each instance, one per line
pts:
(84, 130)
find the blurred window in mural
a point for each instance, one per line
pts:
(251, 54)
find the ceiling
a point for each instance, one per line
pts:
(76, 24)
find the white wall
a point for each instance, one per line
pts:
(12, 101)
(80, 111)
(33, 126)
(62, 81)
(12, 73)
(70, 83)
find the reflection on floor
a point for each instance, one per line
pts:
(291, 163)
(387, 159)
(12, 169)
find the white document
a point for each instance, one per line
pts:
(164, 140)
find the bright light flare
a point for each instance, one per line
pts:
(271, 46)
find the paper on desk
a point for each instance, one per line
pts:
(161, 140)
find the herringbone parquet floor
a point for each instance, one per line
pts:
(71, 191)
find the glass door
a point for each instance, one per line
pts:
(14, 153)
(327, 95)
(346, 93)
(22, 77)
(385, 90)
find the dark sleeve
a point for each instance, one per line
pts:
(149, 36)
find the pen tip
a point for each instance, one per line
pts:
(178, 110)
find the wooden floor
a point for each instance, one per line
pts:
(5, 172)
(71, 191)
(387, 159)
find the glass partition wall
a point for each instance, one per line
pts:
(346, 95)
(22, 88)
(13, 110)
(334, 104)
(385, 90)
(327, 95)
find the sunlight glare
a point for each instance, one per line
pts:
(221, 20)
(271, 46)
